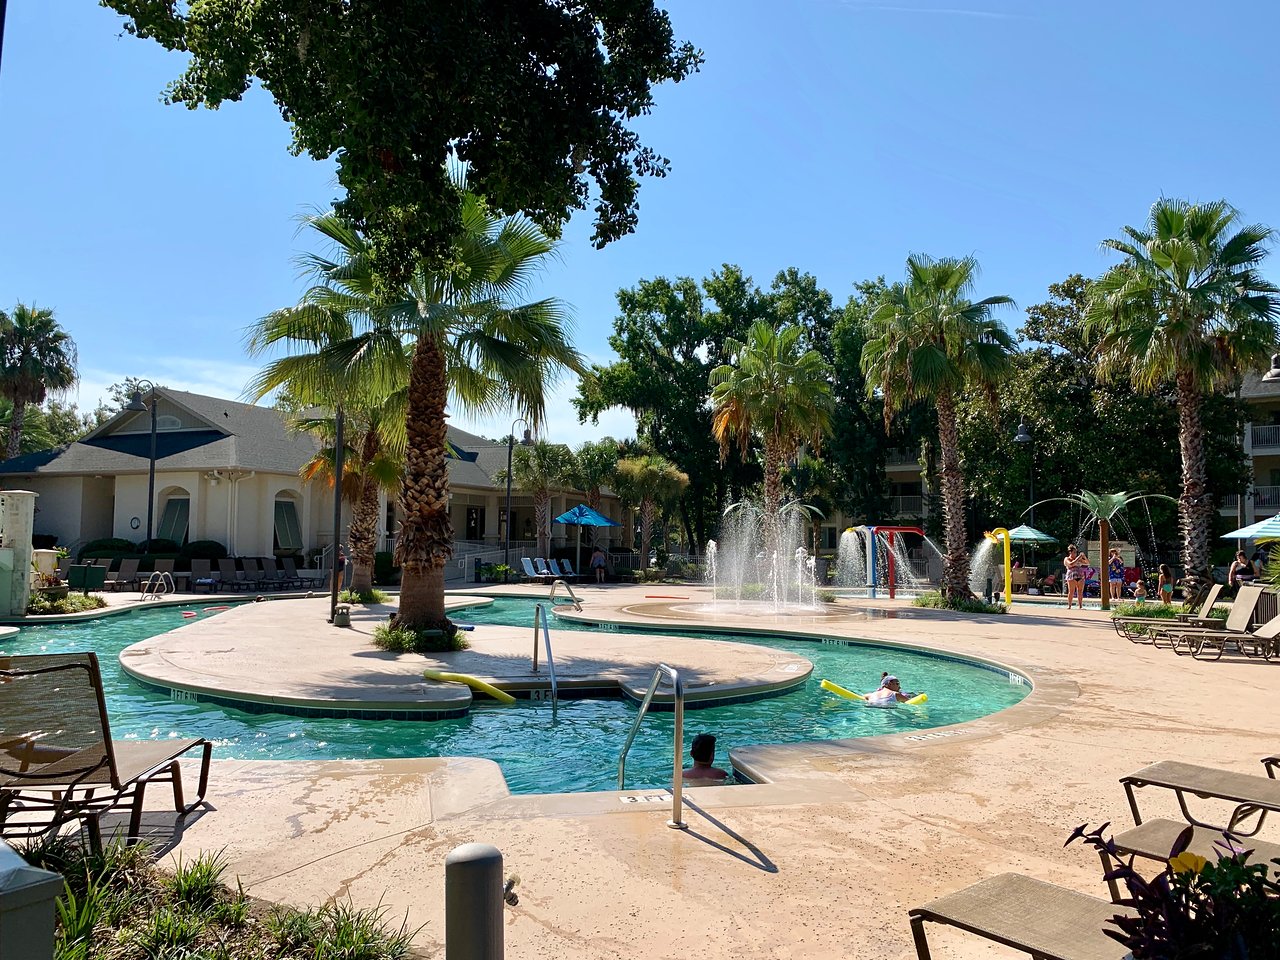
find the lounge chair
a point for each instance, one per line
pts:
(231, 577)
(544, 569)
(290, 567)
(127, 575)
(86, 577)
(277, 578)
(58, 763)
(60, 571)
(1251, 795)
(1138, 629)
(532, 574)
(566, 571)
(1046, 921)
(1154, 840)
(253, 575)
(202, 577)
(1237, 623)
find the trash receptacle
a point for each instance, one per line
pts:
(342, 615)
(477, 570)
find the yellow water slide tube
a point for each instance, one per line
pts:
(475, 683)
(996, 536)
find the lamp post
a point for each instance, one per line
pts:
(511, 445)
(1023, 437)
(137, 406)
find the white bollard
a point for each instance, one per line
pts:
(473, 897)
(27, 897)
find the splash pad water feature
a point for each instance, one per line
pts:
(873, 561)
(747, 570)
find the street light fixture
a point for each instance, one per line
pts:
(1024, 438)
(511, 444)
(137, 406)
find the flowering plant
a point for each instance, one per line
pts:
(1222, 909)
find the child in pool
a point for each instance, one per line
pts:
(1140, 592)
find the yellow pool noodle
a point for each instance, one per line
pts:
(473, 682)
(918, 699)
(840, 691)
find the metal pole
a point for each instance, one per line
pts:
(677, 777)
(338, 457)
(151, 475)
(473, 903)
(1031, 480)
(506, 553)
(2, 11)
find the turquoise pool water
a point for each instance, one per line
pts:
(572, 746)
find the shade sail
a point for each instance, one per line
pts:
(1268, 529)
(584, 516)
(1025, 534)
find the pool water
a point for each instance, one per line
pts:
(543, 748)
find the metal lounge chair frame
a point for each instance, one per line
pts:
(533, 574)
(58, 763)
(1237, 622)
(127, 574)
(1137, 629)
(203, 576)
(1041, 919)
(1252, 795)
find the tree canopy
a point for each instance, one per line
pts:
(534, 98)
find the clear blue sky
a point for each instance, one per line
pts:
(831, 135)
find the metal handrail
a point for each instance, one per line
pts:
(551, 597)
(540, 614)
(159, 583)
(677, 777)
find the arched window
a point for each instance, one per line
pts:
(287, 537)
(175, 516)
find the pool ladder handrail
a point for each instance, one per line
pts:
(159, 583)
(677, 777)
(540, 615)
(551, 597)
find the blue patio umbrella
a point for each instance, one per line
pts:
(584, 516)
(1268, 529)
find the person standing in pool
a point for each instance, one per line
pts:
(702, 773)
(1075, 562)
(598, 562)
(889, 690)
(1115, 574)
(1165, 584)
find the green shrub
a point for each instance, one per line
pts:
(936, 601)
(108, 547)
(159, 545)
(405, 640)
(1148, 611)
(41, 605)
(200, 550)
(371, 596)
(826, 596)
(385, 572)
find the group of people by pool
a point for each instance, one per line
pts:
(704, 772)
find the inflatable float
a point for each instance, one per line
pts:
(475, 683)
(840, 691)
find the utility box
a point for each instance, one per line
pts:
(342, 615)
(27, 897)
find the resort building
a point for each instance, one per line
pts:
(229, 472)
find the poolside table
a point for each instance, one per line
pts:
(1250, 794)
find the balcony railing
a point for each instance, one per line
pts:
(902, 458)
(1267, 497)
(1266, 436)
(907, 506)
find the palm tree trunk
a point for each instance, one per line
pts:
(1104, 566)
(1195, 509)
(647, 508)
(955, 571)
(541, 517)
(15, 427)
(425, 540)
(363, 537)
(588, 534)
(772, 495)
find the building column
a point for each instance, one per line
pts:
(1250, 512)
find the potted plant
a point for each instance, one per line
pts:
(50, 586)
(1222, 909)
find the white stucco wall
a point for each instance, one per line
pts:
(58, 506)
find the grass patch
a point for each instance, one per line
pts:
(936, 601)
(41, 606)
(120, 905)
(367, 596)
(407, 640)
(826, 596)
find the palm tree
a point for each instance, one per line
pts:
(597, 468)
(649, 482)
(1188, 306)
(1101, 509)
(928, 342)
(540, 469)
(471, 341)
(37, 357)
(773, 389)
(373, 460)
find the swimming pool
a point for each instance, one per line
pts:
(542, 748)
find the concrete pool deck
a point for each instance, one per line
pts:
(824, 861)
